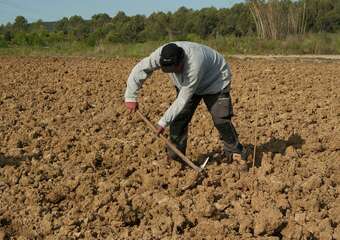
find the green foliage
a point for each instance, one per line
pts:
(241, 20)
(100, 20)
(55, 37)
(62, 25)
(8, 36)
(157, 26)
(323, 15)
(229, 29)
(38, 26)
(125, 30)
(206, 22)
(193, 37)
(20, 39)
(35, 39)
(180, 23)
(78, 28)
(20, 24)
(3, 42)
(320, 44)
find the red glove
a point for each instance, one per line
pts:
(159, 130)
(132, 106)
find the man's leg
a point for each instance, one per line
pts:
(179, 127)
(220, 107)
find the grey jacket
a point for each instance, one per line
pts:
(205, 72)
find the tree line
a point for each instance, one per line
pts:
(264, 18)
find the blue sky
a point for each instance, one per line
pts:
(49, 10)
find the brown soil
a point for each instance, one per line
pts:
(74, 164)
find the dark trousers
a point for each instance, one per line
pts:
(220, 107)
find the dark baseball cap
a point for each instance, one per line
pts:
(171, 54)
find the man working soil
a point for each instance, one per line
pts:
(198, 72)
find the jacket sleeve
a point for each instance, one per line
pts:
(140, 73)
(192, 76)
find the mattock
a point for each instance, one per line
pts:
(173, 147)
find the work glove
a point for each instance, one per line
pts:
(159, 130)
(132, 106)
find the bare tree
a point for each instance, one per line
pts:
(276, 19)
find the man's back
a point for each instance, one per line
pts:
(205, 65)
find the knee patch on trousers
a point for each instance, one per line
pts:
(222, 111)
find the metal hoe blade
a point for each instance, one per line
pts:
(204, 163)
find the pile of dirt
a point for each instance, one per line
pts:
(75, 164)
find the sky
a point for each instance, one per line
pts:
(49, 10)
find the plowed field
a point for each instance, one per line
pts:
(75, 164)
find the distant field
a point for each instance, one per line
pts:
(310, 44)
(275, 57)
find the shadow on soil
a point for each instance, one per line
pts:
(11, 161)
(278, 146)
(274, 146)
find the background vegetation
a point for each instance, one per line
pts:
(253, 27)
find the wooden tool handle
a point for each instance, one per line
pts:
(169, 144)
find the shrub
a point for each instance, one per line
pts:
(3, 42)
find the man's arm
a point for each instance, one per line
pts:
(177, 106)
(192, 78)
(139, 74)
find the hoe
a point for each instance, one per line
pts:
(173, 147)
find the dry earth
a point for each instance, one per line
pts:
(74, 164)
